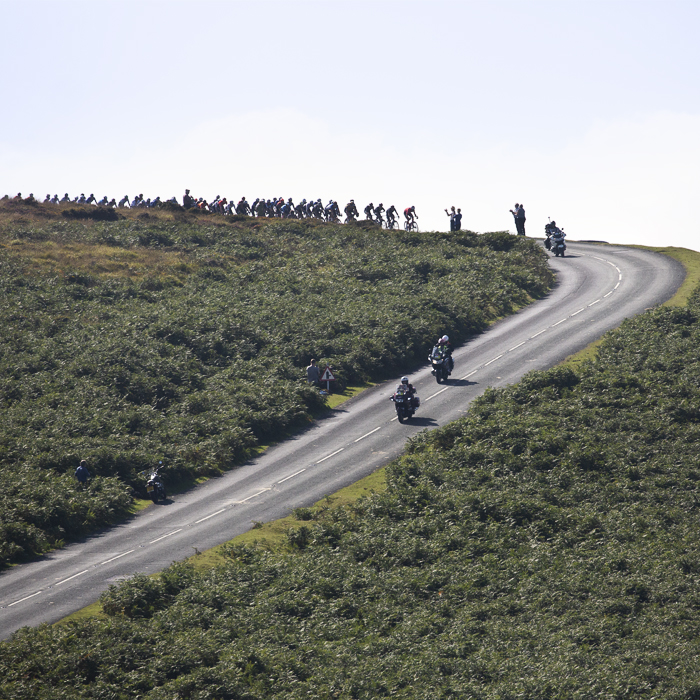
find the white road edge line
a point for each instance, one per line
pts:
(174, 532)
(201, 520)
(21, 600)
(332, 454)
(291, 476)
(119, 556)
(368, 434)
(71, 577)
(439, 392)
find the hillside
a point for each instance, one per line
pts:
(545, 546)
(134, 337)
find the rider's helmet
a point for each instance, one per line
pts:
(404, 380)
(445, 339)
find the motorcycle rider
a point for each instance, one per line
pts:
(444, 343)
(406, 388)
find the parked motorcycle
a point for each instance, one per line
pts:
(405, 404)
(155, 488)
(440, 361)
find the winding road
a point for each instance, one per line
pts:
(598, 286)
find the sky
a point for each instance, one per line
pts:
(586, 112)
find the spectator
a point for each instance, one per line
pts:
(312, 375)
(81, 473)
(519, 216)
(458, 220)
(452, 214)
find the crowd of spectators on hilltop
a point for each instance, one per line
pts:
(276, 207)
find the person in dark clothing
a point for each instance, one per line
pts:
(519, 216)
(81, 473)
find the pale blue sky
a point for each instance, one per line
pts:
(588, 112)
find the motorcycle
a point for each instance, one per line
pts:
(558, 245)
(405, 404)
(440, 361)
(554, 241)
(155, 488)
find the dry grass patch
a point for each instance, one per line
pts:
(102, 261)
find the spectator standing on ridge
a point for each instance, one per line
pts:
(458, 220)
(312, 375)
(187, 200)
(452, 213)
(519, 216)
(81, 473)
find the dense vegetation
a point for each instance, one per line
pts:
(184, 338)
(545, 546)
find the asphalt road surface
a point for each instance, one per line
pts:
(597, 288)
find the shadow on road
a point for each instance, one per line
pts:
(460, 382)
(423, 422)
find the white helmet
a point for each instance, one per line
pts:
(445, 339)
(404, 380)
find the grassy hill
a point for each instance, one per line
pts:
(547, 545)
(134, 337)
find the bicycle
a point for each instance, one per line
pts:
(410, 225)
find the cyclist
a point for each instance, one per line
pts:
(351, 212)
(391, 216)
(410, 216)
(368, 211)
(378, 213)
(243, 208)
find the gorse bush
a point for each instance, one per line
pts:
(547, 545)
(139, 340)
